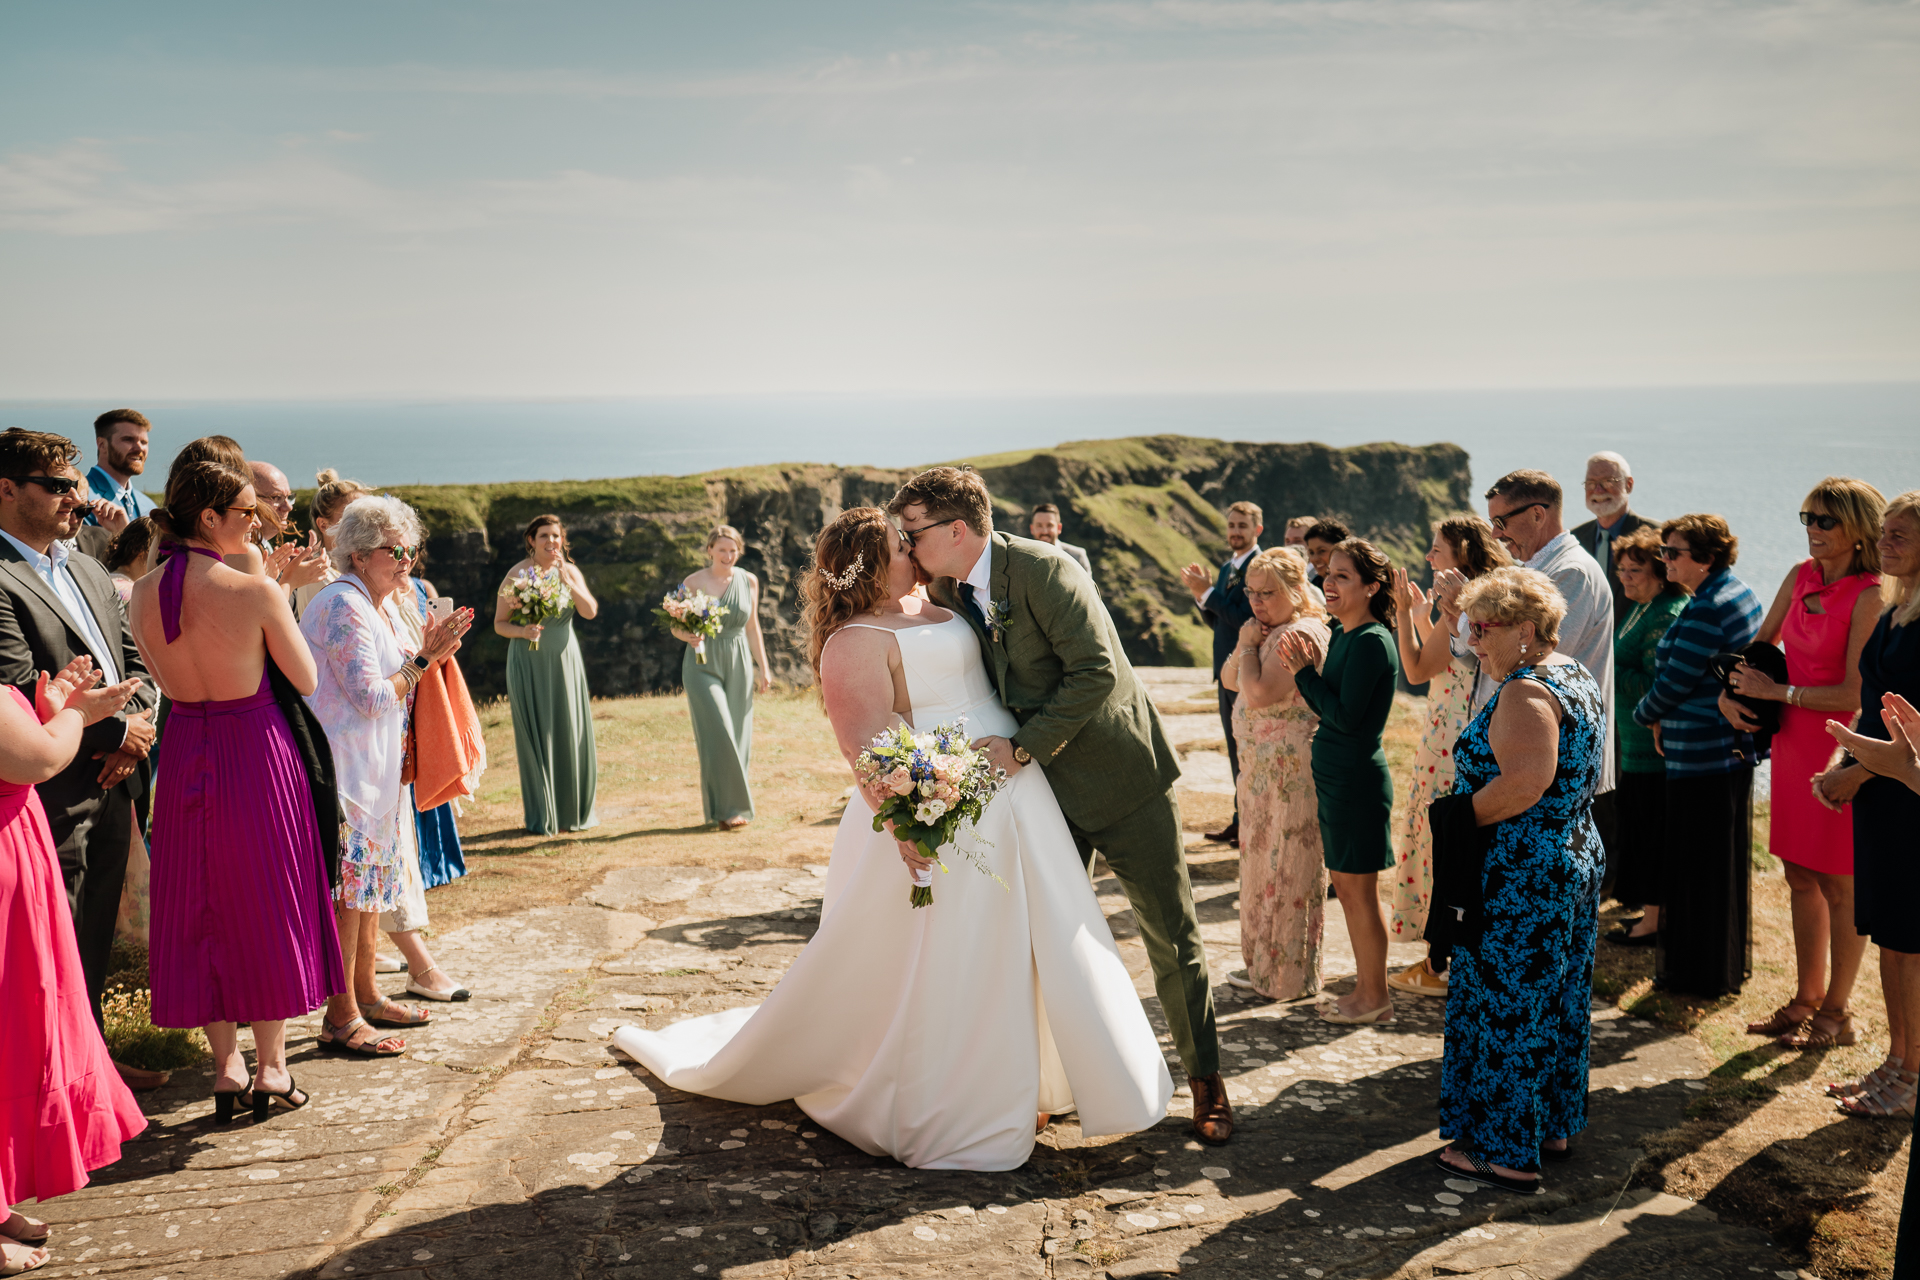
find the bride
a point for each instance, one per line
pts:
(936, 1035)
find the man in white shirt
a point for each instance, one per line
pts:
(1223, 603)
(1524, 508)
(54, 607)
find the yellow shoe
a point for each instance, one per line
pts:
(1417, 979)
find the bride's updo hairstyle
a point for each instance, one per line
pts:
(848, 576)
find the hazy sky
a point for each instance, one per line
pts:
(491, 199)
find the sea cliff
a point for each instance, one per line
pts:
(1141, 507)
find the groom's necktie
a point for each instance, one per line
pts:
(966, 598)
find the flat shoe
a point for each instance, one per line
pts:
(32, 1225)
(339, 1040)
(1331, 1013)
(381, 1015)
(1627, 938)
(1483, 1173)
(1838, 1033)
(1238, 978)
(1420, 980)
(25, 1255)
(458, 994)
(387, 964)
(1782, 1022)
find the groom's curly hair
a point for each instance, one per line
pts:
(862, 536)
(948, 493)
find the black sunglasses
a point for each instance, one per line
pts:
(911, 534)
(59, 486)
(1827, 523)
(1500, 522)
(1674, 553)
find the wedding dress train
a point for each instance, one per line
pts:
(934, 1035)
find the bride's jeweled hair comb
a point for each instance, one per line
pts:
(844, 581)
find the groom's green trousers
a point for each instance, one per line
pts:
(1145, 851)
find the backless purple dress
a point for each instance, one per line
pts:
(242, 927)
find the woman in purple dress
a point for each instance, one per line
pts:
(242, 928)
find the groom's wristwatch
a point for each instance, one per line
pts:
(1021, 755)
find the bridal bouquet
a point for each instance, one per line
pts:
(537, 594)
(695, 611)
(935, 784)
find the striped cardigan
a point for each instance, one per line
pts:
(1723, 614)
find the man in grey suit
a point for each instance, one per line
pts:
(56, 605)
(1046, 526)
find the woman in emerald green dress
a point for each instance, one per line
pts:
(547, 689)
(720, 690)
(1352, 693)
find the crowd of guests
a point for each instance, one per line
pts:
(1597, 701)
(243, 747)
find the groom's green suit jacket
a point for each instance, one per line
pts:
(1056, 661)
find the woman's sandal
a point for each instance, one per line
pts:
(1891, 1099)
(416, 987)
(264, 1100)
(382, 1015)
(1838, 1032)
(1783, 1022)
(1330, 1012)
(1483, 1172)
(30, 1232)
(18, 1259)
(339, 1040)
(225, 1100)
(1854, 1088)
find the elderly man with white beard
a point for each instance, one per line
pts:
(1609, 487)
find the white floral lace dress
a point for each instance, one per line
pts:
(1449, 708)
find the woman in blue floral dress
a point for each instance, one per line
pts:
(1513, 1081)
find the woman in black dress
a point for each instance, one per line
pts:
(1885, 817)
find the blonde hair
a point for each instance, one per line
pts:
(332, 494)
(857, 549)
(1248, 509)
(1286, 566)
(1860, 508)
(1514, 594)
(726, 531)
(1902, 597)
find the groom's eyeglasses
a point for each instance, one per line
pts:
(911, 534)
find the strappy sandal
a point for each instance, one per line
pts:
(1838, 1034)
(1889, 1100)
(18, 1259)
(1483, 1172)
(1783, 1022)
(38, 1230)
(1854, 1088)
(340, 1040)
(265, 1100)
(225, 1100)
(381, 1015)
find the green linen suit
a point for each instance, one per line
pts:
(1056, 661)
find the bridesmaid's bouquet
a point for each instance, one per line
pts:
(935, 784)
(537, 594)
(695, 611)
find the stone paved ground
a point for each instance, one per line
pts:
(512, 1142)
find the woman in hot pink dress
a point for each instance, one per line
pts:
(1822, 616)
(63, 1108)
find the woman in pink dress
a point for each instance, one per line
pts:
(1283, 872)
(1822, 616)
(63, 1108)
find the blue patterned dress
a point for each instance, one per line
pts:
(1514, 1071)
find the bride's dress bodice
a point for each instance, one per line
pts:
(947, 679)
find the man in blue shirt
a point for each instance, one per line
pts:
(120, 438)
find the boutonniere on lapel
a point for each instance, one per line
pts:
(1238, 578)
(998, 612)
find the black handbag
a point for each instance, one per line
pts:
(1768, 661)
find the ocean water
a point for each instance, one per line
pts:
(1749, 453)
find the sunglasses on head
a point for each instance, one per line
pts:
(1500, 522)
(58, 486)
(1827, 523)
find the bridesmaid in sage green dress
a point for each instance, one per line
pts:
(720, 690)
(547, 689)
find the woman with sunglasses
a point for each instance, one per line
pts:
(366, 681)
(1704, 913)
(1822, 616)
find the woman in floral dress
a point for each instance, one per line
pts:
(1463, 548)
(1283, 876)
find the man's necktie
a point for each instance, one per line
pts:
(1603, 548)
(966, 598)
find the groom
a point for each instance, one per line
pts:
(1056, 661)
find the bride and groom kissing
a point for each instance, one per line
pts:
(947, 1037)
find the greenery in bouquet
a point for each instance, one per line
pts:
(537, 595)
(935, 784)
(694, 612)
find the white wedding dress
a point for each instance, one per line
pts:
(933, 1035)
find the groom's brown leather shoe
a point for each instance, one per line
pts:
(1212, 1114)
